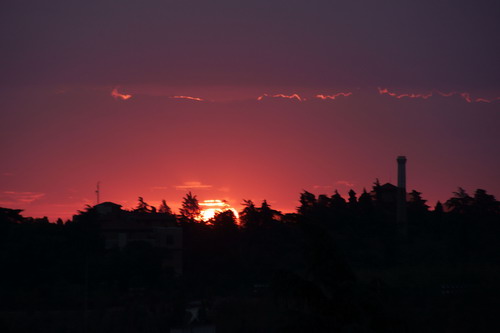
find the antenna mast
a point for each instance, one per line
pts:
(98, 192)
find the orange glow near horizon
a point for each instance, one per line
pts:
(118, 95)
(209, 208)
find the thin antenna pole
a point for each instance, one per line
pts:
(97, 192)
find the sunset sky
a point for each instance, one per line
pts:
(244, 100)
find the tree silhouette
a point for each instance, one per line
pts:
(338, 203)
(352, 201)
(324, 201)
(249, 216)
(164, 208)
(267, 214)
(485, 203)
(224, 220)
(376, 189)
(142, 206)
(10, 216)
(365, 202)
(460, 202)
(190, 207)
(307, 202)
(416, 204)
(438, 209)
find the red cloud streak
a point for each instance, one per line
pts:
(293, 96)
(467, 97)
(385, 91)
(334, 96)
(464, 95)
(188, 97)
(117, 95)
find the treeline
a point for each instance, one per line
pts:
(334, 265)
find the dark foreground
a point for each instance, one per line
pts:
(335, 266)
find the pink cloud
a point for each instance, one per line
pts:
(468, 97)
(188, 98)
(334, 96)
(116, 95)
(345, 183)
(464, 95)
(322, 187)
(16, 198)
(385, 91)
(192, 185)
(293, 96)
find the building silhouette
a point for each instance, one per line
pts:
(120, 228)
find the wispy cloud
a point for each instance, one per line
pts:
(345, 183)
(293, 96)
(322, 187)
(192, 185)
(118, 95)
(305, 97)
(385, 91)
(484, 100)
(16, 198)
(467, 97)
(463, 95)
(334, 96)
(191, 98)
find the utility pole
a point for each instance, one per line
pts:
(98, 192)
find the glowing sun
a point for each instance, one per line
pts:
(211, 207)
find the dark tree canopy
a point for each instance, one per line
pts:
(190, 207)
(438, 209)
(164, 208)
(224, 220)
(333, 266)
(338, 202)
(249, 215)
(485, 203)
(307, 202)
(142, 206)
(416, 203)
(365, 202)
(460, 202)
(352, 201)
